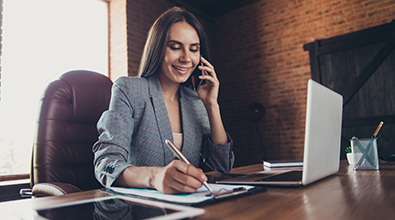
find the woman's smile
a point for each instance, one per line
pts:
(181, 70)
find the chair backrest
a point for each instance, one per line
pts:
(66, 129)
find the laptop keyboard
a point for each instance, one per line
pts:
(289, 176)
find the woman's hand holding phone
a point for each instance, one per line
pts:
(208, 90)
(208, 93)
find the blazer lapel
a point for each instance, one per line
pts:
(189, 142)
(161, 116)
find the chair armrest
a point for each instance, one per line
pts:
(53, 189)
(25, 192)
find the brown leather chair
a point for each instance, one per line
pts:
(62, 158)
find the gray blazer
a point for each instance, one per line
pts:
(133, 131)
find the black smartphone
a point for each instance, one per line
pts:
(197, 82)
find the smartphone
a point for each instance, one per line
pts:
(199, 82)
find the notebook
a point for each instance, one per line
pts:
(199, 198)
(321, 145)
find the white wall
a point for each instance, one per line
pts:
(43, 39)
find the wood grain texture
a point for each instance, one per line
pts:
(348, 194)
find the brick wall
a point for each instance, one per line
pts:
(258, 54)
(141, 15)
(261, 59)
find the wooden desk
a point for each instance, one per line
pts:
(347, 194)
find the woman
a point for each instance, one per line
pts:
(146, 110)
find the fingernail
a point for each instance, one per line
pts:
(203, 178)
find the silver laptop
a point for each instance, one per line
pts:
(321, 144)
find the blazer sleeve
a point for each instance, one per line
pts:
(115, 132)
(219, 157)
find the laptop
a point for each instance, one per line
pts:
(321, 145)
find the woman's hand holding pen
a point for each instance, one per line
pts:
(208, 92)
(178, 177)
(175, 178)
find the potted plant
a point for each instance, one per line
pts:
(350, 157)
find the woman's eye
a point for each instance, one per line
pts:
(194, 50)
(174, 48)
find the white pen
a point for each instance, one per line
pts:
(184, 159)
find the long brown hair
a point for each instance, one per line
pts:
(158, 36)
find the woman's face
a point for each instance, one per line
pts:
(182, 54)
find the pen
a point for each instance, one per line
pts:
(184, 159)
(377, 129)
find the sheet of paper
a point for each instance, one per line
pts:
(201, 195)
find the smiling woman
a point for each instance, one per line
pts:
(41, 40)
(156, 106)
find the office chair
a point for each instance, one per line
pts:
(62, 157)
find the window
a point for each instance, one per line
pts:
(41, 40)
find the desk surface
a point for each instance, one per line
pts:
(347, 194)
